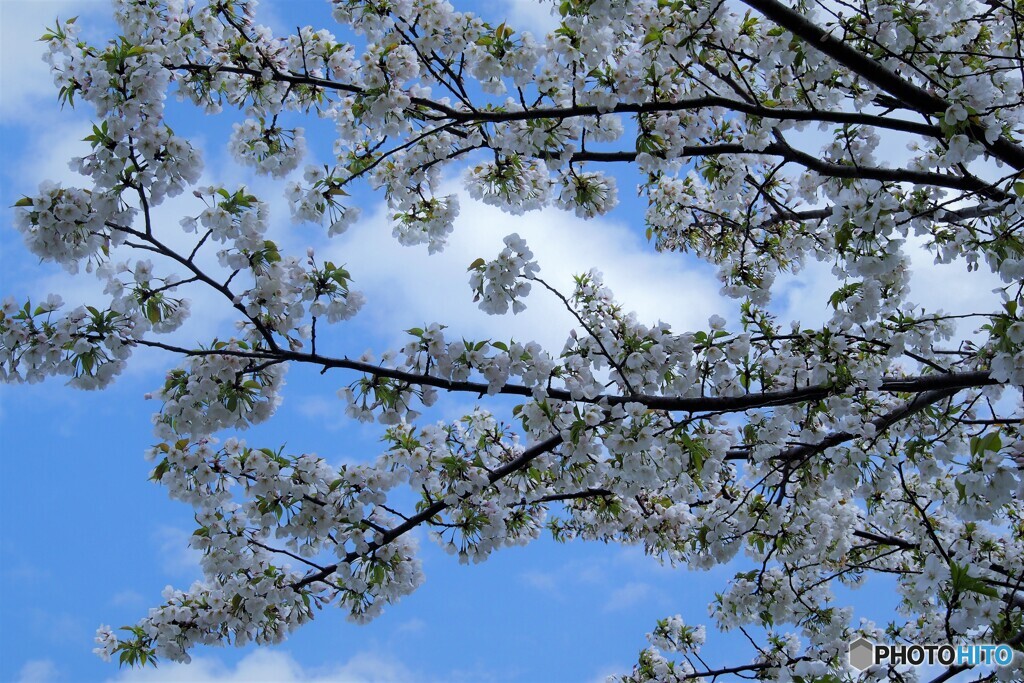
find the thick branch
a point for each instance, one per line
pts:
(199, 275)
(967, 183)
(886, 540)
(913, 384)
(527, 456)
(881, 423)
(690, 104)
(875, 72)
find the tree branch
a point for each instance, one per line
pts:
(967, 183)
(690, 104)
(904, 91)
(524, 459)
(913, 384)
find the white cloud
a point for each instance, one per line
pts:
(414, 625)
(38, 671)
(636, 560)
(530, 15)
(628, 595)
(273, 666)
(406, 287)
(626, 575)
(177, 557)
(947, 287)
(57, 627)
(16, 566)
(589, 573)
(24, 78)
(327, 412)
(128, 598)
(606, 673)
(545, 582)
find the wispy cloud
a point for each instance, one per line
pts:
(545, 582)
(628, 595)
(274, 666)
(606, 672)
(414, 625)
(177, 558)
(128, 598)
(38, 671)
(405, 287)
(527, 15)
(17, 568)
(23, 21)
(57, 626)
(327, 412)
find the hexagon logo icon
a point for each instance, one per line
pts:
(862, 653)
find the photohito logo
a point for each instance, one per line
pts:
(864, 653)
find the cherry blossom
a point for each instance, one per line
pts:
(887, 440)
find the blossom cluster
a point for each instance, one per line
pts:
(814, 453)
(504, 280)
(269, 149)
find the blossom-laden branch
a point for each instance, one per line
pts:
(883, 441)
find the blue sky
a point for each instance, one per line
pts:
(86, 539)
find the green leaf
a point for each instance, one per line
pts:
(698, 451)
(652, 36)
(479, 263)
(24, 201)
(961, 490)
(963, 582)
(160, 470)
(843, 293)
(992, 442)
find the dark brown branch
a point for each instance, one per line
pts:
(913, 384)
(915, 405)
(1014, 642)
(302, 79)
(714, 673)
(589, 493)
(904, 91)
(524, 459)
(826, 168)
(160, 248)
(709, 102)
(886, 540)
(692, 104)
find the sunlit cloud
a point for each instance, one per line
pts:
(272, 666)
